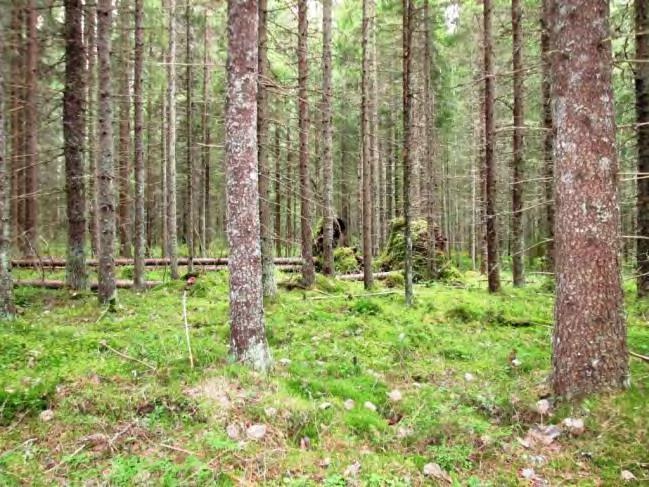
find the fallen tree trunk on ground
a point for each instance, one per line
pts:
(359, 277)
(54, 284)
(52, 263)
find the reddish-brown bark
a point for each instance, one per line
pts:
(589, 342)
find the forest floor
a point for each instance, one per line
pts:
(364, 392)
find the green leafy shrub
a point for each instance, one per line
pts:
(346, 260)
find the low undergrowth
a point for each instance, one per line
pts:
(94, 398)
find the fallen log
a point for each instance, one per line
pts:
(52, 263)
(54, 284)
(359, 277)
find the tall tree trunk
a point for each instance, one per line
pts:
(327, 141)
(366, 140)
(31, 134)
(548, 131)
(589, 341)
(278, 192)
(164, 127)
(172, 232)
(73, 139)
(429, 147)
(267, 264)
(204, 213)
(17, 121)
(90, 24)
(373, 130)
(407, 146)
(493, 270)
(124, 142)
(642, 119)
(308, 268)
(290, 195)
(518, 247)
(247, 332)
(7, 307)
(189, 203)
(138, 144)
(105, 167)
(150, 193)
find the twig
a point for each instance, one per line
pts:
(128, 357)
(350, 296)
(66, 459)
(176, 448)
(189, 343)
(644, 358)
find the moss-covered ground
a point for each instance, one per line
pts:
(469, 368)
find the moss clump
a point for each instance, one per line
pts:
(346, 260)
(394, 254)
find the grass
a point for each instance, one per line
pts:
(464, 406)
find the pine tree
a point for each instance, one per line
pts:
(589, 341)
(247, 333)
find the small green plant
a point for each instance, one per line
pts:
(366, 307)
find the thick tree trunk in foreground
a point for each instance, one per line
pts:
(267, 267)
(30, 242)
(17, 124)
(105, 169)
(548, 132)
(493, 271)
(642, 119)
(73, 143)
(170, 189)
(366, 140)
(589, 342)
(517, 163)
(327, 141)
(7, 307)
(308, 269)
(247, 333)
(138, 143)
(407, 145)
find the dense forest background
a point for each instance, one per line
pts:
(453, 77)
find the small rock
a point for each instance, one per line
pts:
(516, 363)
(47, 415)
(325, 405)
(403, 432)
(469, 377)
(270, 411)
(575, 426)
(627, 476)
(395, 395)
(233, 431)
(528, 473)
(284, 361)
(434, 470)
(369, 405)
(256, 431)
(543, 407)
(352, 470)
(305, 443)
(325, 462)
(349, 404)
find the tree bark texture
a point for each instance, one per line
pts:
(105, 169)
(327, 142)
(170, 189)
(518, 245)
(247, 335)
(308, 269)
(642, 120)
(589, 341)
(138, 144)
(73, 144)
